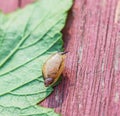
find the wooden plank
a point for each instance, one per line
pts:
(8, 6)
(91, 80)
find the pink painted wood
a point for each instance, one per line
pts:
(25, 2)
(91, 81)
(8, 5)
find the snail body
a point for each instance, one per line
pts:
(53, 68)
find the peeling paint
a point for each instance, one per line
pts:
(80, 54)
(117, 97)
(117, 13)
(56, 98)
(103, 3)
(116, 62)
(102, 83)
(80, 106)
(102, 67)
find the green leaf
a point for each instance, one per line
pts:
(27, 38)
(29, 111)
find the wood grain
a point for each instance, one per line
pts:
(91, 80)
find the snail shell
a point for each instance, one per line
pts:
(53, 68)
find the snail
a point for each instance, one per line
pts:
(53, 68)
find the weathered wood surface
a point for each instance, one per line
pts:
(91, 82)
